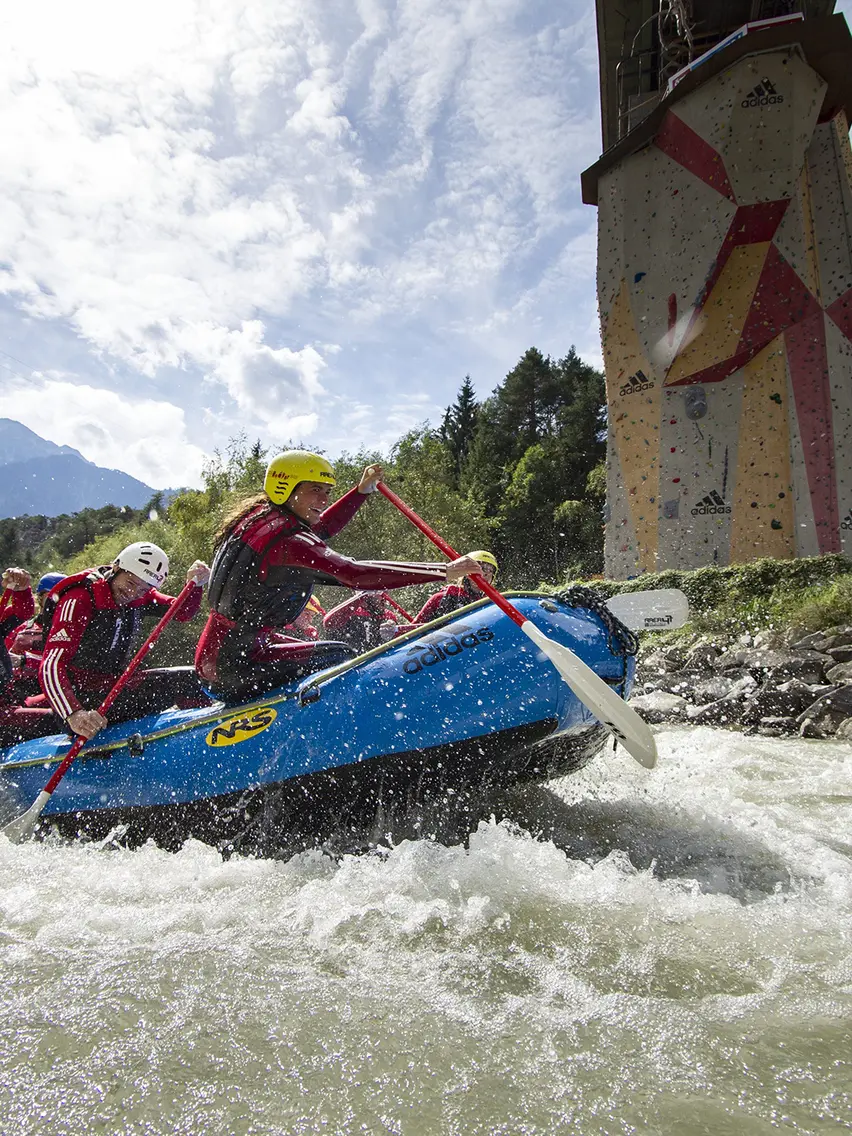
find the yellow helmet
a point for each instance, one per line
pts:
(287, 470)
(485, 558)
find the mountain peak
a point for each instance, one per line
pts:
(40, 477)
(19, 443)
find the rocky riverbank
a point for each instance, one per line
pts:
(774, 683)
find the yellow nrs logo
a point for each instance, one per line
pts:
(241, 727)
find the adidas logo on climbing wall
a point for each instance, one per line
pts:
(764, 94)
(846, 523)
(636, 383)
(712, 503)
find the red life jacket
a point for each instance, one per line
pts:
(111, 631)
(236, 590)
(452, 597)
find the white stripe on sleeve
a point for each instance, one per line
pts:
(53, 688)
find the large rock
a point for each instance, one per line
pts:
(680, 682)
(823, 717)
(663, 661)
(778, 665)
(809, 669)
(785, 701)
(702, 657)
(712, 689)
(840, 674)
(724, 711)
(777, 727)
(658, 706)
(719, 713)
(731, 660)
(770, 637)
(840, 654)
(816, 641)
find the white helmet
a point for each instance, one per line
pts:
(145, 560)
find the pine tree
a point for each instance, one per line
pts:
(538, 437)
(458, 428)
(521, 406)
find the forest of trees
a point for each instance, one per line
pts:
(520, 473)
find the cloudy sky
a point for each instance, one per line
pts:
(305, 221)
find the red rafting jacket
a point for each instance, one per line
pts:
(15, 608)
(27, 636)
(368, 606)
(91, 639)
(264, 572)
(447, 600)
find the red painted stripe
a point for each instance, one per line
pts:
(781, 300)
(841, 313)
(808, 360)
(751, 224)
(684, 146)
(715, 373)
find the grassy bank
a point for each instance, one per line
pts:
(807, 594)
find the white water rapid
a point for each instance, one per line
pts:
(684, 968)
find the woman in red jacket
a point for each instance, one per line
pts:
(269, 557)
(29, 636)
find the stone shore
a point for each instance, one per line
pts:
(776, 683)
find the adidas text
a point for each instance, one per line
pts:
(636, 383)
(764, 94)
(710, 505)
(436, 648)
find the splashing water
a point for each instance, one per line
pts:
(672, 954)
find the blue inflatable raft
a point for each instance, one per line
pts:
(444, 715)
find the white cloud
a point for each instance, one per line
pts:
(246, 191)
(133, 212)
(276, 386)
(143, 437)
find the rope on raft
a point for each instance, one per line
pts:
(620, 639)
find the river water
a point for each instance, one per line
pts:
(672, 955)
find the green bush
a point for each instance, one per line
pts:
(810, 593)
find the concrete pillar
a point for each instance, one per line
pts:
(725, 295)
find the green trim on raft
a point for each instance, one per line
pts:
(223, 712)
(218, 715)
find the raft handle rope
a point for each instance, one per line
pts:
(620, 640)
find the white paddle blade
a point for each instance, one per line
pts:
(610, 709)
(21, 828)
(660, 609)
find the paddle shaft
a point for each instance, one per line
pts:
(496, 597)
(389, 599)
(128, 673)
(607, 706)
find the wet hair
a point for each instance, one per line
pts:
(243, 505)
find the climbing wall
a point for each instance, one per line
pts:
(725, 294)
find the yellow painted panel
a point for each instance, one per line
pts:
(763, 517)
(716, 333)
(633, 395)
